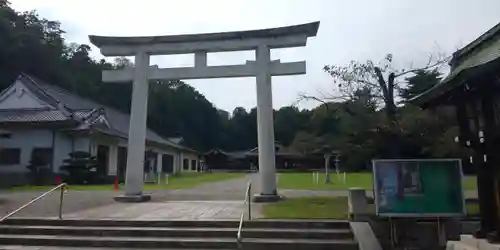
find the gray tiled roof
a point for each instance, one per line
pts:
(483, 51)
(83, 113)
(80, 107)
(32, 115)
(177, 140)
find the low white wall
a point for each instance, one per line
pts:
(25, 140)
(190, 157)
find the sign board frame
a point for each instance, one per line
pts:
(416, 215)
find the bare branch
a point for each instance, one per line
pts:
(429, 61)
(323, 100)
(428, 66)
(305, 97)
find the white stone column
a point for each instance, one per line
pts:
(176, 162)
(113, 160)
(159, 162)
(265, 126)
(93, 148)
(137, 127)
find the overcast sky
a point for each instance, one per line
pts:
(349, 30)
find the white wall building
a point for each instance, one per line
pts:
(39, 119)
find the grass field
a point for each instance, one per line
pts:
(320, 208)
(185, 180)
(307, 208)
(363, 180)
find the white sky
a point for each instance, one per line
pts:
(349, 30)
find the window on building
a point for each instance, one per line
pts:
(10, 156)
(42, 156)
(193, 164)
(185, 164)
(5, 136)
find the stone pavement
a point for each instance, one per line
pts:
(48, 206)
(170, 210)
(219, 200)
(222, 200)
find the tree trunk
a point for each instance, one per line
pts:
(390, 111)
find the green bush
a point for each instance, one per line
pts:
(81, 168)
(40, 171)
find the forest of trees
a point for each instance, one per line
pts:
(365, 120)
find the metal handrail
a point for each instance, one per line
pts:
(248, 201)
(61, 186)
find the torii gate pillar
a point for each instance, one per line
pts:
(265, 127)
(261, 41)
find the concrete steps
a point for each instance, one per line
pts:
(177, 232)
(296, 224)
(276, 235)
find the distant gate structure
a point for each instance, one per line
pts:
(261, 41)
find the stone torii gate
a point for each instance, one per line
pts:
(261, 41)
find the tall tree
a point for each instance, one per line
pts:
(381, 81)
(287, 122)
(420, 82)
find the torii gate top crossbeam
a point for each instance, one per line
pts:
(283, 37)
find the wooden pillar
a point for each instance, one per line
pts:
(491, 160)
(469, 129)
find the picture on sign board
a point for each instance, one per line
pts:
(411, 178)
(418, 188)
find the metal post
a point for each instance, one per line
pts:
(337, 161)
(249, 201)
(61, 202)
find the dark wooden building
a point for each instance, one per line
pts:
(286, 159)
(473, 89)
(218, 159)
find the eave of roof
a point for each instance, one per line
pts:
(308, 29)
(61, 110)
(30, 83)
(467, 62)
(32, 115)
(476, 43)
(217, 151)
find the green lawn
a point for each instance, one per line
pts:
(307, 208)
(320, 208)
(185, 180)
(363, 180)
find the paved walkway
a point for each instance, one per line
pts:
(222, 200)
(217, 200)
(170, 210)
